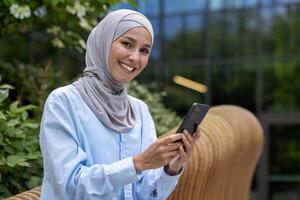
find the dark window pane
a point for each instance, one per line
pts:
(281, 85)
(234, 3)
(250, 33)
(226, 34)
(233, 84)
(181, 98)
(154, 51)
(150, 7)
(250, 3)
(267, 2)
(149, 74)
(194, 37)
(285, 152)
(216, 4)
(191, 5)
(285, 191)
(216, 35)
(174, 38)
(171, 6)
(287, 1)
(234, 34)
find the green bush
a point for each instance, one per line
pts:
(164, 119)
(20, 157)
(32, 83)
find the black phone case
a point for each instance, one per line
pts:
(194, 117)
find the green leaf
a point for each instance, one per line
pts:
(13, 107)
(6, 86)
(24, 164)
(3, 95)
(13, 122)
(24, 115)
(16, 160)
(31, 125)
(2, 115)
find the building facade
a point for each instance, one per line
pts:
(247, 52)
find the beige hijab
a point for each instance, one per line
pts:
(106, 97)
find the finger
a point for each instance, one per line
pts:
(185, 141)
(171, 138)
(197, 136)
(189, 137)
(197, 133)
(183, 155)
(167, 157)
(173, 146)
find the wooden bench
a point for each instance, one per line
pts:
(224, 162)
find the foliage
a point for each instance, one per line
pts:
(63, 20)
(164, 118)
(32, 83)
(48, 40)
(19, 148)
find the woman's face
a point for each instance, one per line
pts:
(129, 54)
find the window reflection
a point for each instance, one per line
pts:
(154, 52)
(150, 6)
(174, 38)
(195, 37)
(174, 6)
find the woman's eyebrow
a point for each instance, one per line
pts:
(133, 40)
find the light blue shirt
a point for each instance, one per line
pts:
(85, 160)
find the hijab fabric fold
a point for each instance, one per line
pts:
(106, 97)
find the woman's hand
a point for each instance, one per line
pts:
(175, 165)
(158, 154)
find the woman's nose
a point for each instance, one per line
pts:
(134, 56)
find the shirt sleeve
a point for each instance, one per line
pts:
(155, 183)
(65, 159)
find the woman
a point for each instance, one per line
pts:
(99, 143)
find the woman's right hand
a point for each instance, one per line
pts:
(158, 154)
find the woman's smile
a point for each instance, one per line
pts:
(127, 68)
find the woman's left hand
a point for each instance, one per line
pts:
(186, 150)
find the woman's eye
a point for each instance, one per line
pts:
(145, 51)
(126, 44)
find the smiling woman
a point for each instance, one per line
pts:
(97, 141)
(129, 54)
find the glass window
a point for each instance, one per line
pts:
(233, 84)
(149, 74)
(267, 2)
(250, 33)
(234, 34)
(281, 85)
(283, 190)
(219, 4)
(174, 38)
(181, 98)
(285, 153)
(194, 5)
(194, 37)
(171, 6)
(250, 3)
(266, 30)
(226, 34)
(216, 35)
(150, 7)
(234, 3)
(154, 52)
(216, 4)
(288, 1)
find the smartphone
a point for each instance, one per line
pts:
(193, 118)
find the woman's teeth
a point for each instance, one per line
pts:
(128, 68)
